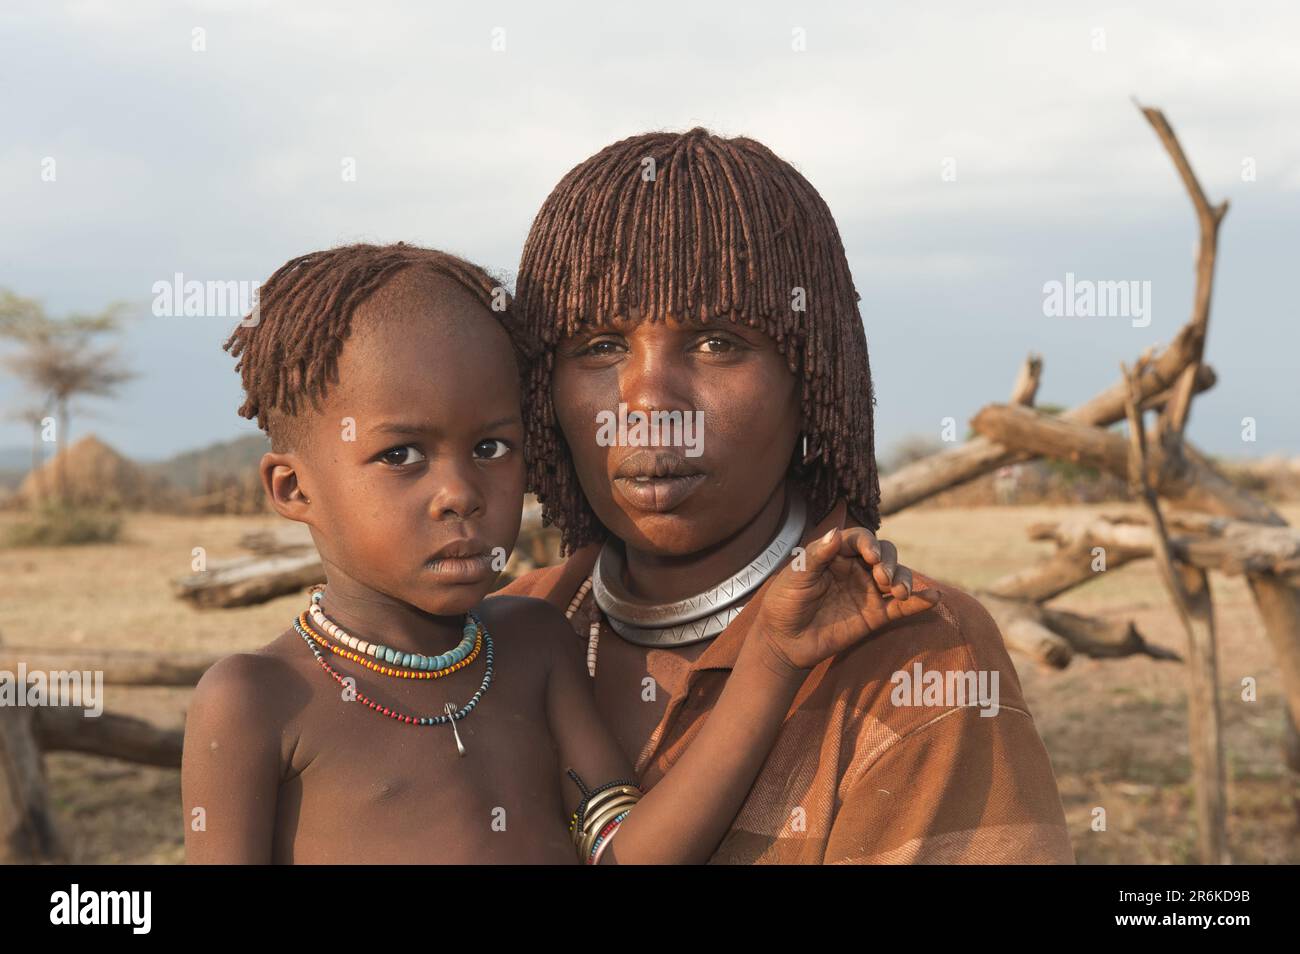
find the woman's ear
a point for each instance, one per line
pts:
(280, 475)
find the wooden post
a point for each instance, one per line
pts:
(1189, 588)
(28, 834)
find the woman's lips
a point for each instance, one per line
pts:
(657, 494)
(471, 569)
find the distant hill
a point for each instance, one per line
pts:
(185, 471)
(190, 470)
(92, 472)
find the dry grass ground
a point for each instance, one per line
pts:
(1116, 730)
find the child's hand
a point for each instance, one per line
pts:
(849, 586)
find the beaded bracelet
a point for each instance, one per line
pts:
(606, 836)
(589, 794)
(599, 814)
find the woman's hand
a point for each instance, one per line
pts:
(842, 588)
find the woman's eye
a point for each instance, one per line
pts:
(491, 449)
(717, 345)
(601, 347)
(398, 457)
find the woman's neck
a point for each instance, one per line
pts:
(662, 579)
(378, 618)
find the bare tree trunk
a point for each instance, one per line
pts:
(1189, 588)
(28, 833)
(1204, 718)
(38, 461)
(64, 446)
(1279, 606)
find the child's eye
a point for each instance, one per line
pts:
(491, 449)
(396, 456)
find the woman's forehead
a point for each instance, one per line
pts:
(632, 319)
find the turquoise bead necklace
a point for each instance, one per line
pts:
(451, 715)
(394, 657)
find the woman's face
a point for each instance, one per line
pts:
(682, 499)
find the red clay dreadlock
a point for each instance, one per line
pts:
(689, 224)
(305, 315)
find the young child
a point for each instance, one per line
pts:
(401, 718)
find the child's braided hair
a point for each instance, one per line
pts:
(288, 348)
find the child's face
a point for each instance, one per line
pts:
(414, 466)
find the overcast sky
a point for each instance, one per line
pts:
(221, 163)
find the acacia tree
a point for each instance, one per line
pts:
(59, 360)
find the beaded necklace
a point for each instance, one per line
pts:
(393, 656)
(593, 631)
(389, 670)
(451, 715)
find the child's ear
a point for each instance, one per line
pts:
(280, 473)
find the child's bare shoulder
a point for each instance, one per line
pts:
(527, 622)
(253, 693)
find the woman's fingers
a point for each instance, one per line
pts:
(918, 602)
(860, 542)
(878, 557)
(881, 558)
(819, 554)
(902, 588)
(883, 572)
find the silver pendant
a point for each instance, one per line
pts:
(450, 710)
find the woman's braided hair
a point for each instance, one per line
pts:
(693, 224)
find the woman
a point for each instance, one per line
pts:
(688, 277)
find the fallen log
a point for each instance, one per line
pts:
(288, 537)
(1185, 477)
(60, 729)
(120, 667)
(1104, 638)
(980, 455)
(1053, 637)
(248, 580)
(1234, 547)
(1075, 561)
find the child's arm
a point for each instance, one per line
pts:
(230, 767)
(807, 615)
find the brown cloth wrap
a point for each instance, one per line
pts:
(854, 778)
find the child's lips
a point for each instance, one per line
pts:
(460, 569)
(461, 561)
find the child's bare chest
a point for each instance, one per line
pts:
(369, 789)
